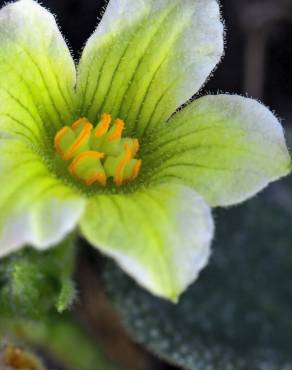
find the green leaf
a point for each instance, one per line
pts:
(37, 74)
(148, 57)
(225, 147)
(238, 315)
(35, 207)
(160, 236)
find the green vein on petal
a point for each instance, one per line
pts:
(37, 74)
(225, 147)
(35, 208)
(146, 58)
(160, 236)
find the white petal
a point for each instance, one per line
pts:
(160, 236)
(226, 147)
(148, 57)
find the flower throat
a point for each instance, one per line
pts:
(99, 153)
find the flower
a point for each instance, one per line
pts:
(103, 149)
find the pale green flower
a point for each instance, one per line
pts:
(146, 58)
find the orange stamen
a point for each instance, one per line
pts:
(121, 166)
(59, 136)
(120, 125)
(105, 122)
(81, 141)
(84, 134)
(74, 164)
(136, 170)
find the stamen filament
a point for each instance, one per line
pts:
(91, 154)
(121, 166)
(58, 138)
(136, 170)
(85, 133)
(98, 177)
(120, 125)
(104, 125)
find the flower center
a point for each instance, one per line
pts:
(96, 154)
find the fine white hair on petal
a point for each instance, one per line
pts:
(150, 57)
(194, 221)
(119, 13)
(226, 147)
(160, 236)
(188, 257)
(42, 227)
(36, 96)
(44, 76)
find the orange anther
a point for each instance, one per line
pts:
(121, 166)
(59, 136)
(88, 154)
(84, 134)
(120, 125)
(105, 122)
(83, 146)
(136, 170)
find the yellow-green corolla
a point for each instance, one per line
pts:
(102, 148)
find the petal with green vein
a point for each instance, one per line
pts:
(147, 57)
(35, 208)
(226, 147)
(160, 236)
(37, 73)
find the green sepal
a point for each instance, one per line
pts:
(34, 283)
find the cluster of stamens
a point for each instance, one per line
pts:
(96, 154)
